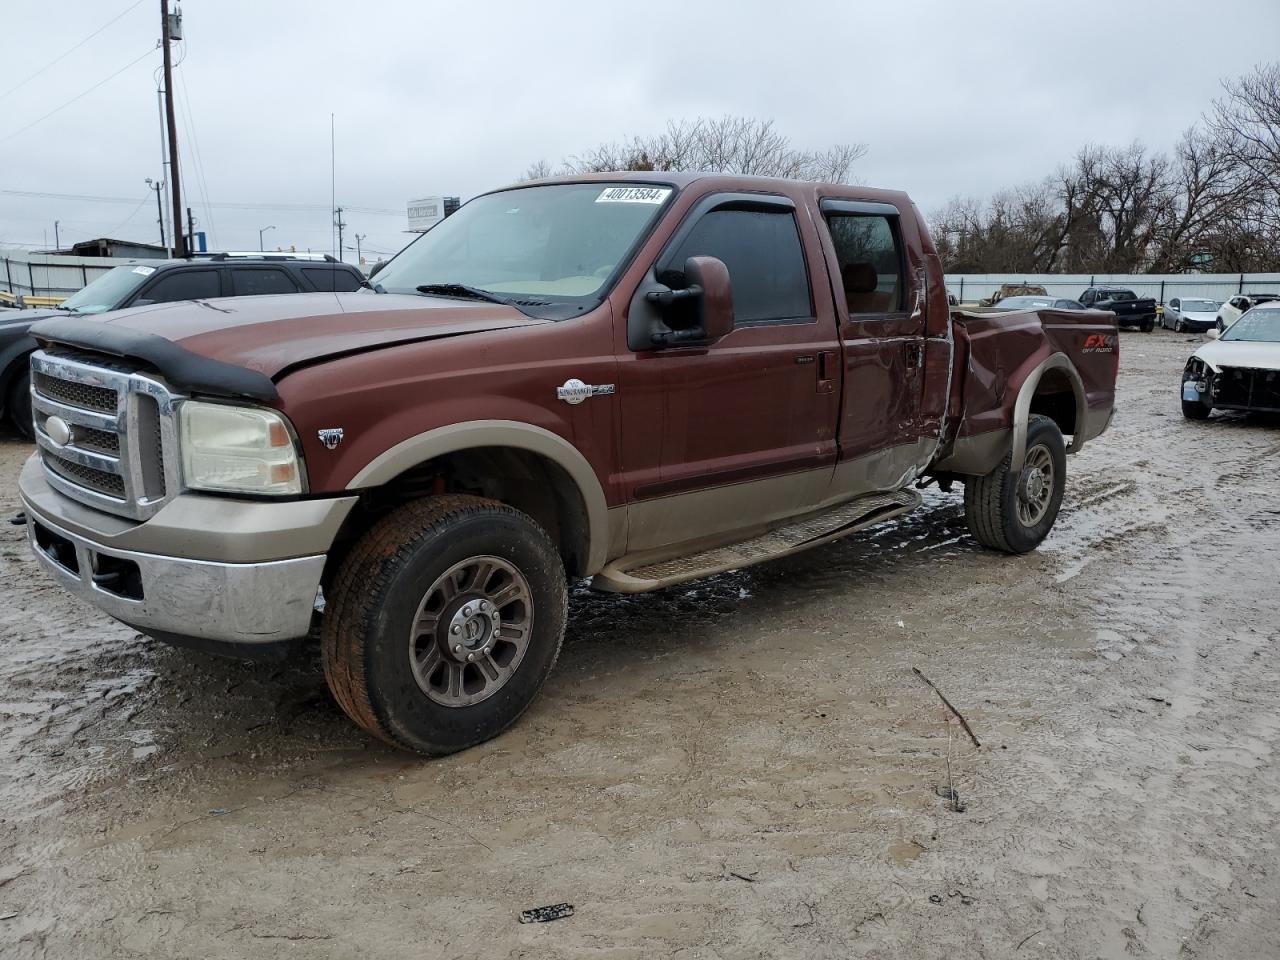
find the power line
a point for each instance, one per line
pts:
(189, 121)
(286, 207)
(78, 96)
(61, 57)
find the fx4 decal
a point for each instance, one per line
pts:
(1099, 343)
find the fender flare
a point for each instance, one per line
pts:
(1022, 407)
(457, 437)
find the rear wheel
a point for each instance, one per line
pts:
(20, 405)
(443, 623)
(1148, 325)
(1014, 511)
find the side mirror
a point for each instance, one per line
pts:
(1213, 333)
(700, 313)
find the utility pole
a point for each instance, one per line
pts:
(339, 223)
(359, 237)
(57, 244)
(191, 231)
(158, 186)
(179, 245)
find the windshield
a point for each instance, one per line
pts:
(1256, 325)
(549, 249)
(1025, 303)
(1199, 306)
(108, 291)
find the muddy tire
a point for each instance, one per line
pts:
(1148, 326)
(1014, 512)
(19, 405)
(443, 622)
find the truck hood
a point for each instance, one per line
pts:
(269, 334)
(1255, 354)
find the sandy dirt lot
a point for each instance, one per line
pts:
(746, 767)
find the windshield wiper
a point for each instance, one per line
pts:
(462, 290)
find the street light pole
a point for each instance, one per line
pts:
(260, 233)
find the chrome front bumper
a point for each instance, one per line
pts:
(177, 599)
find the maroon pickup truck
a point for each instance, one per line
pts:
(637, 378)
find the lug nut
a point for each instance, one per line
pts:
(470, 657)
(457, 648)
(455, 629)
(487, 649)
(466, 611)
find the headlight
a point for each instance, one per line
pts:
(238, 450)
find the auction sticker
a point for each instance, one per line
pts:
(145, 271)
(633, 195)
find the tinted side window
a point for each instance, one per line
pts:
(870, 259)
(254, 282)
(321, 278)
(183, 285)
(765, 261)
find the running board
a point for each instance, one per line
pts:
(638, 573)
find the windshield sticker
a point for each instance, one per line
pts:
(634, 195)
(145, 271)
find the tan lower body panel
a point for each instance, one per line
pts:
(640, 572)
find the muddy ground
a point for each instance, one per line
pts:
(746, 767)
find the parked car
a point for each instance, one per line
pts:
(638, 378)
(140, 283)
(1239, 369)
(1130, 309)
(1013, 290)
(1193, 314)
(1237, 306)
(1038, 303)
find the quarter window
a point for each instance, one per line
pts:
(258, 282)
(184, 285)
(766, 265)
(870, 257)
(326, 279)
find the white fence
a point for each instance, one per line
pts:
(970, 287)
(24, 273)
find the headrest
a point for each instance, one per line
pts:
(859, 278)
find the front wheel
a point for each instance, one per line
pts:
(20, 405)
(443, 622)
(1014, 511)
(1179, 327)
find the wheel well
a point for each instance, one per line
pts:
(533, 484)
(1055, 398)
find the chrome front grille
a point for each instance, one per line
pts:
(115, 447)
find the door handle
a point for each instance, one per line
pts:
(827, 372)
(914, 351)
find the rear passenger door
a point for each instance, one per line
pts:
(254, 281)
(884, 337)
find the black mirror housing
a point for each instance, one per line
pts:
(702, 311)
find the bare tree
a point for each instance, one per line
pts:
(720, 145)
(538, 170)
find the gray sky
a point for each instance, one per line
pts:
(432, 98)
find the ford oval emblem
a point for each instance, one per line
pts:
(56, 429)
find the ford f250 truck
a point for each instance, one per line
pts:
(637, 378)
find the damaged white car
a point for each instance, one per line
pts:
(1239, 369)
